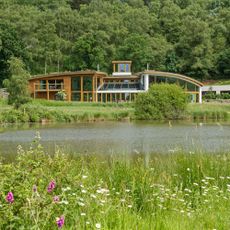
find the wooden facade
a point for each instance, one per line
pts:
(78, 86)
(95, 86)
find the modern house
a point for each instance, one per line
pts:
(96, 86)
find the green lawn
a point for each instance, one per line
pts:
(82, 107)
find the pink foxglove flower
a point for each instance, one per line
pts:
(56, 199)
(60, 221)
(51, 186)
(10, 197)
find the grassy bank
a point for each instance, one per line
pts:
(58, 111)
(177, 191)
(209, 111)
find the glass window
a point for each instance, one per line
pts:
(160, 79)
(87, 84)
(76, 84)
(171, 80)
(191, 87)
(122, 67)
(127, 68)
(76, 97)
(103, 97)
(56, 84)
(43, 84)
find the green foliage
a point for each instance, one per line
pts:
(10, 45)
(224, 63)
(137, 48)
(195, 48)
(59, 111)
(61, 95)
(162, 101)
(212, 95)
(190, 37)
(170, 191)
(209, 111)
(17, 84)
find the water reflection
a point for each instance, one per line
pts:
(120, 137)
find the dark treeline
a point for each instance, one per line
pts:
(185, 36)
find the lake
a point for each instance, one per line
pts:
(120, 137)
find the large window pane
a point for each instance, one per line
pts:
(76, 96)
(76, 84)
(87, 83)
(191, 87)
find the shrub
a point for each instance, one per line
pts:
(61, 95)
(17, 84)
(163, 101)
(213, 96)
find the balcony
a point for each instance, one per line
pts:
(51, 87)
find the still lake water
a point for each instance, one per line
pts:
(120, 137)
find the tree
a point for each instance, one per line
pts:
(75, 4)
(171, 62)
(10, 45)
(187, 36)
(48, 41)
(162, 101)
(170, 21)
(17, 84)
(138, 49)
(90, 50)
(194, 49)
(224, 63)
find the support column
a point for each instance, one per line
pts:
(82, 96)
(146, 82)
(47, 90)
(34, 90)
(95, 90)
(93, 96)
(200, 95)
(67, 87)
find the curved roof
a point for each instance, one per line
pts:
(173, 75)
(69, 74)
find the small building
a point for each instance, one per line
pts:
(217, 89)
(96, 86)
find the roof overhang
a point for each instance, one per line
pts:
(122, 62)
(69, 74)
(172, 75)
(132, 77)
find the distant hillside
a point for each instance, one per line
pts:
(186, 36)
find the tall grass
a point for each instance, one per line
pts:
(80, 104)
(209, 111)
(58, 111)
(177, 191)
(36, 113)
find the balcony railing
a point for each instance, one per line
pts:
(51, 86)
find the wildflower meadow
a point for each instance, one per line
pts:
(62, 191)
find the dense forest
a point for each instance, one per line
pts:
(186, 36)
